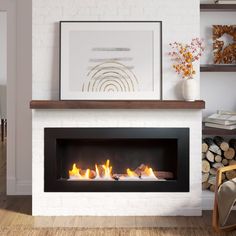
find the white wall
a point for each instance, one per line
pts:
(3, 63)
(177, 25)
(19, 87)
(10, 8)
(217, 89)
(23, 97)
(3, 48)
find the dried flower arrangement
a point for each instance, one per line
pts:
(184, 55)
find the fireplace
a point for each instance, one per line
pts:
(116, 160)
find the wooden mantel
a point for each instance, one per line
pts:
(137, 104)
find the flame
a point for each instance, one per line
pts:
(75, 172)
(108, 169)
(86, 175)
(97, 171)
(131, 173)
(148, 172)
(104, 172)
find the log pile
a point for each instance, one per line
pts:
(217, 153)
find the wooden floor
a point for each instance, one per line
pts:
(16, 220)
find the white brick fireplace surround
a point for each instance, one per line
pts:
(180, 23)
(117, 203)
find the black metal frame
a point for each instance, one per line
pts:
(161, 45)
(52, 184)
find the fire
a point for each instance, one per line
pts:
(145, 173)
(97, 171)
(148, 172)
(131, 173)
(86, 175)
(76, 172)
(104, 172)
(79, 174)
(108, 170)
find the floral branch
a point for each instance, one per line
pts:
(184, 55)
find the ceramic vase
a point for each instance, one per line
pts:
(189, 89)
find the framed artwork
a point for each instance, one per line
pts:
(110, 60)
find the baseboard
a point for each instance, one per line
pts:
(11, 186)
(18, 187)
(24, 188)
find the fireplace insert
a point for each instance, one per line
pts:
(116, 160)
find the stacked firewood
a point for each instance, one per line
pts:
(217, 153)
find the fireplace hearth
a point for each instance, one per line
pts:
(116, 160)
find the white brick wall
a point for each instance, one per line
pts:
(117, 203)
(180, 22)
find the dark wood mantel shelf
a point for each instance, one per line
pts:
(166, 104)
(218, 7)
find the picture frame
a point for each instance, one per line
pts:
(110, 60)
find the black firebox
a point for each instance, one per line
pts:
(116, 160)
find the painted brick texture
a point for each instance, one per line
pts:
(116, 203)
(180, 22)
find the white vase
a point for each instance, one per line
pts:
(189, 89)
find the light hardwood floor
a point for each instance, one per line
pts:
(16, 220)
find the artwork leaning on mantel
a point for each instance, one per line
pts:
(110, 60)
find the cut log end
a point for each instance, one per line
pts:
(213, 171)
(205, 166)
(224, 146)
(230, 174)
(225, 162)
(210, 156)
(205, 177)
(218, 158)
(229, 154)
(204, 148)
(212, 146)
(232, 162)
